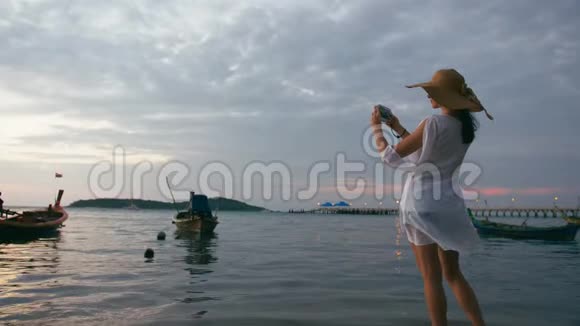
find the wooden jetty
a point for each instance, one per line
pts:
(478, 212)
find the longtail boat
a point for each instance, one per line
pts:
(198, 217)
(51, 218)
(560, 233)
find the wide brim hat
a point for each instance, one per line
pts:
(448, 88)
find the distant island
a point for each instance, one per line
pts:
(219, 203)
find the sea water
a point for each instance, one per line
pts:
(268, 269)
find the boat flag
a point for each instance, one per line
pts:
(58, 175)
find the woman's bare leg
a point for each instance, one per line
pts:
(428, 264)
(461, 288)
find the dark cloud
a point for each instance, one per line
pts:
(293, 81)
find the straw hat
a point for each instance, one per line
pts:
(448, 88)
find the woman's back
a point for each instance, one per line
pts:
(443, 145)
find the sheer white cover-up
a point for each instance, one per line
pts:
(432, 209)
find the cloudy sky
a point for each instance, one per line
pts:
(280, 81)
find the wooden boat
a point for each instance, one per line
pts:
(198, 217)
(40, 220)
(562, 233)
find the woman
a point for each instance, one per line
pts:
(432, 211)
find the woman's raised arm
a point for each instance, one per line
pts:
(408, 145)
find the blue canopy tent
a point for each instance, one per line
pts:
(327, 204)
(342, 204)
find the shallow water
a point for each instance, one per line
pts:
(268, 269)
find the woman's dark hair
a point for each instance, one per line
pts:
(469, 125)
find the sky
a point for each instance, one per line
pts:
(291, 82)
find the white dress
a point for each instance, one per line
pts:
(432, 209)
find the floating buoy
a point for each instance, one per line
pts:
(149, 253)
(161, 235)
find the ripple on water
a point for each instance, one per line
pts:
(266, 269)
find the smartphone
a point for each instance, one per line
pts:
(385, 112)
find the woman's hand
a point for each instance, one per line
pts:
(376, 117)
(394, 124)
(378, 130)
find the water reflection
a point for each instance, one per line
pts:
(398, 251)
(200, 253)
(27, 253)
(8, 236)
(200, 247)
(556, 247)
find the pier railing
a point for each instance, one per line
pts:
(525, 212)
(478, 212)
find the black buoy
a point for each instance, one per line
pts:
(149, 253)
(161, 235)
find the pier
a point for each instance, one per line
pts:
(478, 212)
(525, 212)
(347, 211)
